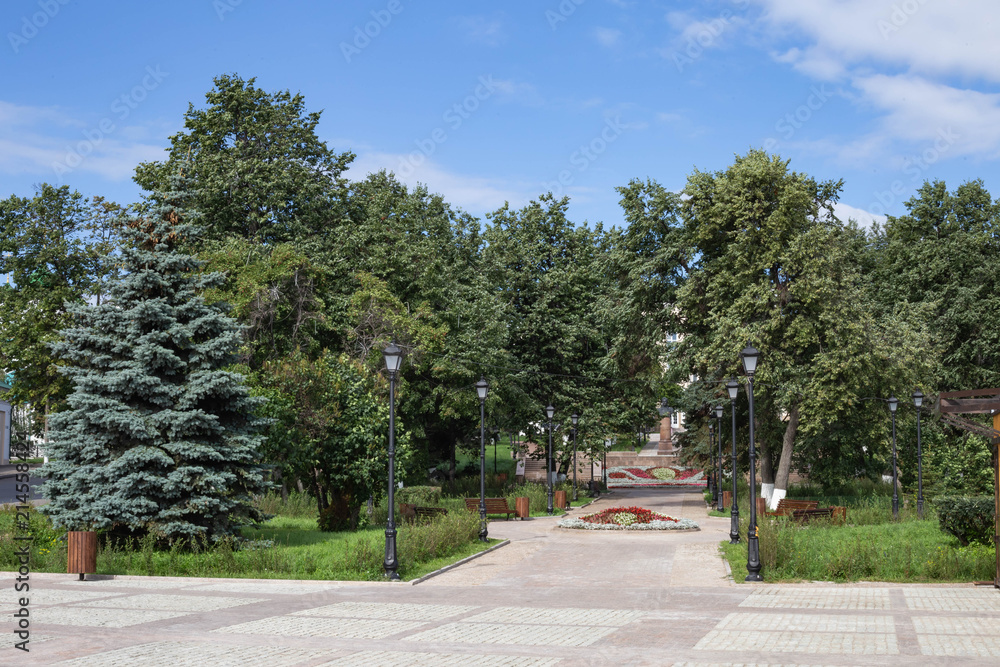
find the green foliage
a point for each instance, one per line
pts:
(159, 436)
(298, 505)
(55, 248)
(907, 551)
(259, 169)
(419, 495)
(330, 426)
(968, 518)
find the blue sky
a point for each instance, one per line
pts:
(491, 102)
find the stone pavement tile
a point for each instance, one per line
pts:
(312, 626)
(693, 565)
(956, 646)
(801, 642)
(98, 618)
(268, 587)
(197, 654)
(127, 582)
(389, 611)
(957, 625)
(419, 659)
(809, 622)
(50, 596)
(800, 597)
(736, 664)
(561, 616)
(186, 603)
(952, 599)
(513, 634)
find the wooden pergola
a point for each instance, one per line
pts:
(950, 405)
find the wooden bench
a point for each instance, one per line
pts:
(493, 506)
(413, 513)
(786, 507)
(808, 515)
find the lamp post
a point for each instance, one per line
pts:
(482, 388)
(918, 400)
(733, 387)
(893, 404)
(575, 418)
(718, 444)
(549, 412)
(393, 358)
(713, 486)
(750, 355)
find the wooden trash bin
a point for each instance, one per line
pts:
(521, 508)
(81, 552)
(761, 507)
(727, 499)
(839, 514)
(560, 500)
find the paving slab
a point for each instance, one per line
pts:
(553, 596)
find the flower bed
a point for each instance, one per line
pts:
(627, 518)
(641, 476)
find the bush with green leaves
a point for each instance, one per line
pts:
(419, 495)
(969, 518)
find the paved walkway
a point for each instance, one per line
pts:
(551, 597)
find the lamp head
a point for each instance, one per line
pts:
(733, 387)
(750, 355)
(918, 397)
(549, 412)
(893, 403)
(393, 357)
(575, 418)
(718, 412)
(482, 388)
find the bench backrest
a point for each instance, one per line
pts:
(492, 504)
(786, 506)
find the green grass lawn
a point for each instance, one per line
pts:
(283, 548)
(911, 551)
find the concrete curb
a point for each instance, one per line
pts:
(457, 563)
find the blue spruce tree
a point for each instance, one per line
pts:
(159, 437)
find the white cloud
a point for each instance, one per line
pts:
(607, 37)
(483, 30)
(472, 193)
(923, 36)
(52, 143)
(864, 218)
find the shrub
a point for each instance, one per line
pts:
(299, 505)
(419, 495)
(969, 518)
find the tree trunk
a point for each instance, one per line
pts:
(785, 463)
(451, 469)
(766, 461)
(320, 493)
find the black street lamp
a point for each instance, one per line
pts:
(713, 486)
(549, 412)
(482, 388)
(733, 387)
(393, 359)
(893, 404)
(575, 418)
(918, 400)
(718, 444)
(750, 355)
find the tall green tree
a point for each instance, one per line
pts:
(761, 259)
(56, 248)
(258, 167)
(159, 437)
